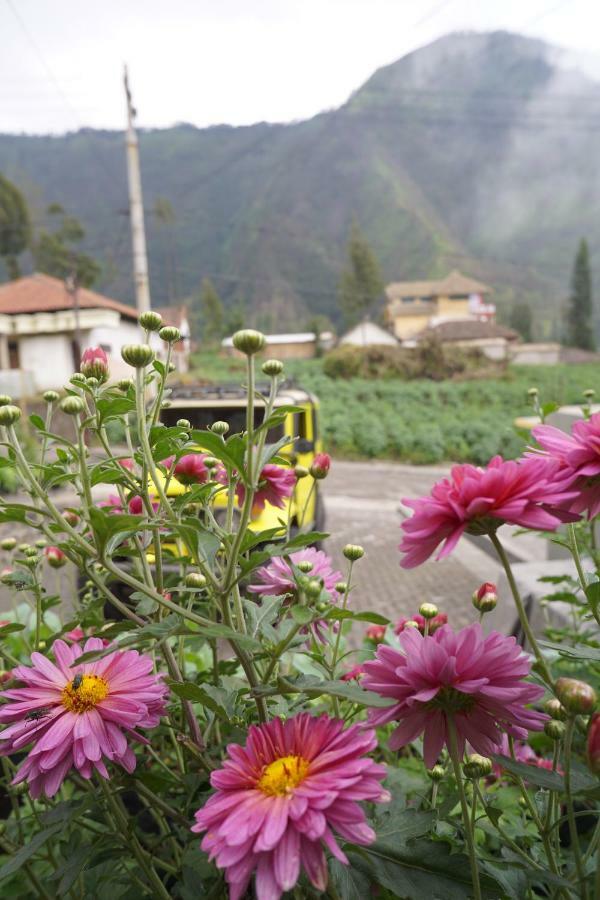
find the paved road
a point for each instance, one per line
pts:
(363, 503)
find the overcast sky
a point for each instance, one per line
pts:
(234, 61)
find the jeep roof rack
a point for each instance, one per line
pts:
(222, 391)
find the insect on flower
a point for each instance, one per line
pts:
(38, 713)
(76, 683)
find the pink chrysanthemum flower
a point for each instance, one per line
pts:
(278, 578)
(275, 485)
(578, 454)
(532, 492)
(79, 716)
(354, 673)
(475, 679)
(280, 798)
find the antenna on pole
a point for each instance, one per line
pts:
(136, 206)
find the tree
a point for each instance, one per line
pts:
(521, 320)
(54, 253)
(15, 226)
(580, 311)
(213, 314)
(361, 284)
(165, 217)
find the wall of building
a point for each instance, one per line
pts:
(111, 339)
(535, 354)
(450, 307)
(408, 326)
(49, 357)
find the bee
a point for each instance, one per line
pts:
(38, 713)
(76, 683)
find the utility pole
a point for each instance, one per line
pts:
(136, 207)
(72, 286)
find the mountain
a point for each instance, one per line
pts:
(478, 152)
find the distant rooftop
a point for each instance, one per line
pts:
(43, 293)
(453, 285)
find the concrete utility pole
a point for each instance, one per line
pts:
(136, 207)
(71, 286)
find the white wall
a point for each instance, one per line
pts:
(49, 357)
(112, 339)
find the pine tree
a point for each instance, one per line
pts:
(521, 320)
(15, 226)
(213, 314)
(54, 252)
(580, 331)
(361, 284)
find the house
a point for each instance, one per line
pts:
(368, 334)
(302, 345)
(177, 316)
(44, 327)
(414, 305)
(494, 341)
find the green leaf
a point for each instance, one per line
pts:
(271, 450)
(114, 407)
(350, 884)
(301, 614)
(10, 628)
(420, 869)
(37, 421)
(222, 632)
(300, 541)
(231, 452)
(202, 544)
(375, 618)
(399, 824)
(592, 592)
(25, 853)
(581, 652)
(551, 781)
(217, 699)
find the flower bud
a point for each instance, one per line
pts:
(211, 462)
(184, 423)
(23, 548)
(437, 773)
(272, 367)
(305, 566)
(8, 544)
(301, 472)
(376, 633)
(93, 382)
(220, 428)
(31, 551)
(137, 355)
(9, 415)
(485, 598)
(589, 394)
(477, 766)
(428, 610)
(353, 552)
(32, 560)
(51, 396)
(150, 320)
(71, 518)
(171, 367)
(195, 580)
(170, 334)
(124, 384)
(320, 466)
(341, 587)
(55, 557)
(5, 575)
(555, 730)
(576, 696)
(532, 393)
(593, 744)
(555, 709)
(248, 341)
(94, 364)
(5, 400)
(165, 404)
(40, 543)
(312, 587)
(72, 405)
(77, 378)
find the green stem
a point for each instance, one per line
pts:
(145, 862)
(338, 636)
(464, 806)
(570, 809)
(579, 566)
(544, 671)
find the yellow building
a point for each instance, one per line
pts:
(415, 305)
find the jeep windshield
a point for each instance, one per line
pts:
(205, 416)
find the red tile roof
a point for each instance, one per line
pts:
(44, 293)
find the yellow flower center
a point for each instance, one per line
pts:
(280, 776)
(84, 692)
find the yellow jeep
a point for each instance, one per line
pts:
(203, 405)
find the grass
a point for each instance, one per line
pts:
(423, 421)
